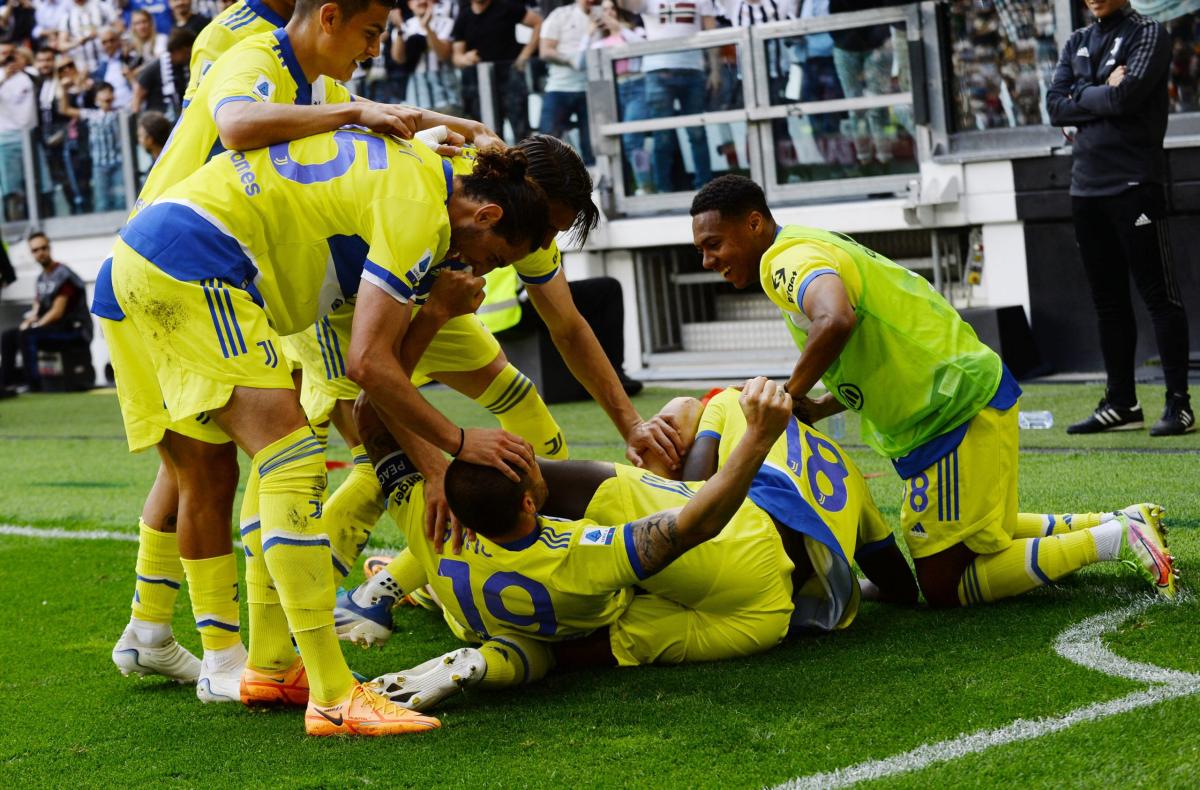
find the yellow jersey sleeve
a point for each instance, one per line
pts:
(400, 255)
(716, 413)
(601, 560)
(256, 74)
(335, 92)
(539, 266)
(790, 266)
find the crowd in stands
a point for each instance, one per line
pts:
(74, 70)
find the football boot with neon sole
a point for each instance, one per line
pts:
(373, 565)
(289, 687)
(365, 712)
(221, 674)
(425, 686)
(167, 658)
(1144, 549)
(363, 625)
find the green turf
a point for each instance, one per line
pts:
(895, 680)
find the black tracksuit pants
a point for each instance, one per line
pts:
(1120, 235)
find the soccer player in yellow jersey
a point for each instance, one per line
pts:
(205, 279)
(465, 356)
(236, 23)
(527, 579)
(274, 85)
(932, 398)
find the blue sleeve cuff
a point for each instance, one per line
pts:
(807, 281)
(382, 278)
(634, 561)
(545, 278)
(227, 100)
(868, 549)
(709, 435)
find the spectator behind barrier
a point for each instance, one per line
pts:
(104, 147)
(162, 82)
(678, 78)
(183, 15)
(115, 66)
(59, 314)
(143, 41)
(563, 45)
(486, 32)
(613, 28)
(153, 130)
(18, 114)
(424, 43)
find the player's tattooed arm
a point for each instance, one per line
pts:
(656, 540)
(660, 538)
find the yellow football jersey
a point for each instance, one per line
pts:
(262, 68)
(241, 20)
(817, 467)
(565, 580)
(264, 221)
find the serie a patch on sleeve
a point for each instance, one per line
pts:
(598, 536)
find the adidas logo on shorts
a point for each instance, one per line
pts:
(919, 531)
(1141, 221)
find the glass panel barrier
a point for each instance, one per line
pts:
(841, 64)
(682, 159)
(16, 148)
(1002, 58)
(837, 145)
(79, 168)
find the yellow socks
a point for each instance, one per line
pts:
(213, 587)
(515, 401)
(1032, 562)
(513, 660)
(270, 640)
(297, 552)
(159, 574)
(1043, 525)
(351, 513)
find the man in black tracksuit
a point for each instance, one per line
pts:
(1111, 83)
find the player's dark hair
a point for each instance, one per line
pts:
(37, 234)
(180, 39)
(349, 8)
(156, 126)
(104, 86)
(501, 176)
(731, 196)
(559, 171)
(483, 498)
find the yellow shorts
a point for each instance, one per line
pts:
(182, 348)
(730, 596)
(970, 495)
(463, 344)
(293, 350)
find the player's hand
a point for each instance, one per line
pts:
(657, 437)
(498, 448)
(394, 119)
(453, 144)
(1117, 76)
(456, 292)
(767, 407)
(437, 511)
(489, 139)
(807, 410)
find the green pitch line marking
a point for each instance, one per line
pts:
(1081, 644)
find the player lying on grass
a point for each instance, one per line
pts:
(206, 278)
(737, 594)
(260, 86)
(932, 398)
(463, 354)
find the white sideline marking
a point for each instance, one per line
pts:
(54, 533)
(1081, 644)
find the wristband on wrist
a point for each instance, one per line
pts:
(462, 441)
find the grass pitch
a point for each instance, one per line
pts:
(897, 679)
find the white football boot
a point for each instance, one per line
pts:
(428, 684)
(165, 657)
(221, 675)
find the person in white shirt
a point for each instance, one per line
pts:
(114, 66)
(18, 114)
(564, 44)
(83, 21)
(678, 77)
(434, 82)
(50, 17)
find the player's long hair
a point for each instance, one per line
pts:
(483, 498)
(501, 176)
(558, 170)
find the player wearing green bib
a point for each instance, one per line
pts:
(932, 398)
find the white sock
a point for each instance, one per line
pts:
(381, 585)
(150, 633)
(1108, 537)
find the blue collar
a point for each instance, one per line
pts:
(778, 230)
(288, 56)
(449, 173)
(522, 543)
(260, 8)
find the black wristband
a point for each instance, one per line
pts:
(462, 441)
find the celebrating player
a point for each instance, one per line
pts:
(268, 88)
(204, 279)
(932, 398)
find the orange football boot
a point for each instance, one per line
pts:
(365, 712)
(289, 687)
